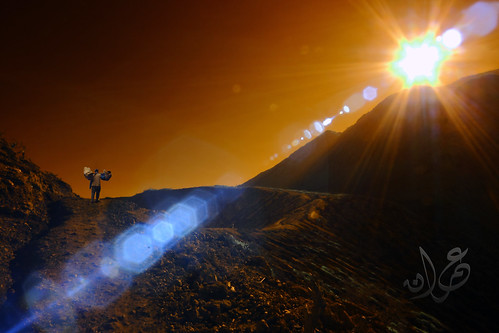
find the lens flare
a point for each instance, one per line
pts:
(308, 134)
(134, 250)
(418, 62)
(370, 93)
(354, 103)
(452, 38)
(162, 232)
(481, 18)
(100, 272)
(109, 267)
(327, 122)
(137, 248)
(184, 219)
(318, 127)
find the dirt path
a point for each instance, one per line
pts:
(81, 228)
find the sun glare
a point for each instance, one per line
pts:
(418, 62)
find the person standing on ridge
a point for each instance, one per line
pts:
(95, 178)
(95, 186)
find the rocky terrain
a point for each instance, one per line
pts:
(28, 199)
(255, 266)
(402, 204)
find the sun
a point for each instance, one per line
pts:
(418, 62)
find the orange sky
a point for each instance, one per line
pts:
(171, 94)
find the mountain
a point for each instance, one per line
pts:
(294, 171)
(435, 150)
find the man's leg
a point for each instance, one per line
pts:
(97, 193)
(93, 193)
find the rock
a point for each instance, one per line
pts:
(214, 290)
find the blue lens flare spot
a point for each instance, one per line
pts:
(370, 93)
(134, 250)
(307, 134)
(480, 19)
(183, 219)
(137, 248)
(199, 206)
(318, 127)
(162, 232)
(109, 267)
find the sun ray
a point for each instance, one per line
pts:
(463, 116)
(384, 17)
(388, 131)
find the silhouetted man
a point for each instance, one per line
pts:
(95, 185)
(95, 179)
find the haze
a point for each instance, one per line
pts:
(191, 93)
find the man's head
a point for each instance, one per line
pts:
(96, 170)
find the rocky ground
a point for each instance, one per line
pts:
(28, 199)
(300, 262)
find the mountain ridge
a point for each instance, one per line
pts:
(388, 152)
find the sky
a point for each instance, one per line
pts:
(175, 94)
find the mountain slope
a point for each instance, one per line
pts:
(435, 151)
(266, 261)
(293, 172)
(428, 148)
(28, 198)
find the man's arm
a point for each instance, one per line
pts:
(106, 175)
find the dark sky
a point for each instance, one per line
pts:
(190, 93)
